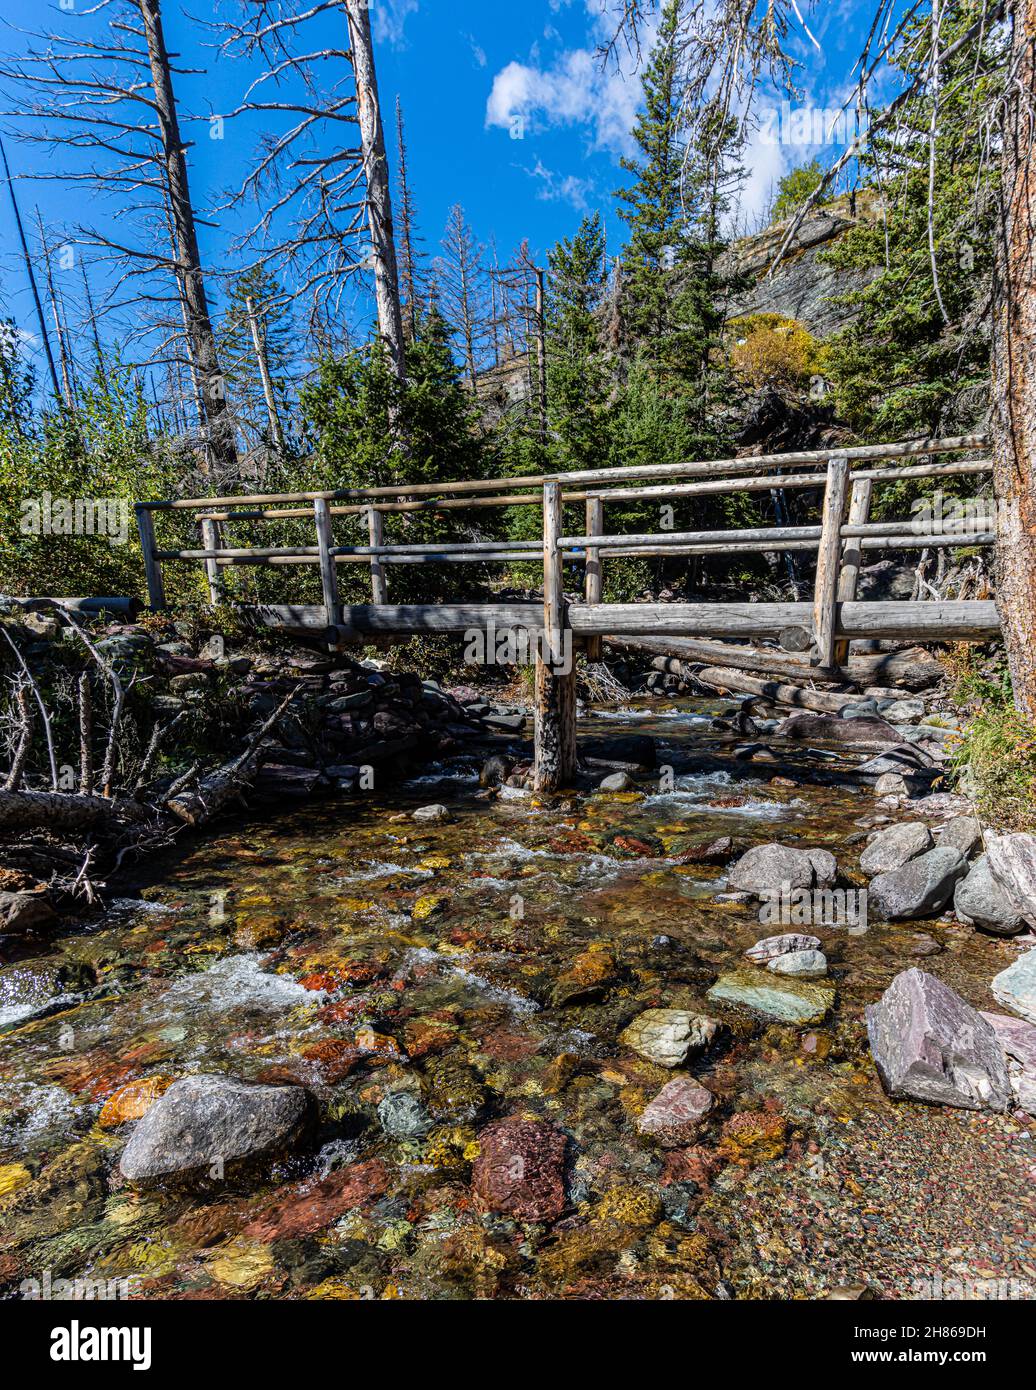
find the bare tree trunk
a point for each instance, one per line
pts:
(202, 339)
(379, 196)
(44, 337)
(259, 343)
(1014, 366)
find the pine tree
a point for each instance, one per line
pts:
(238, 353)
(901, 368)
(578, 378)
(674, 298)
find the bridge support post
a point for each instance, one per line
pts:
(555, 713)
(376, 532)
(211, 540)
(152, 564)
(594, 581)
(825, 594)
(328, 572)
(852, 556)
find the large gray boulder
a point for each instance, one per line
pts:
(892, 848)
(963, 833)
(1012, 859)
(213, 1127)
(765, 868)
(929, 1045)
(980, 900)
(1015, 987)
(921, 888)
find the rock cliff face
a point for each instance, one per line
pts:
(803, 287)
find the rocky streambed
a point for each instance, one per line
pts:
(515, 1048)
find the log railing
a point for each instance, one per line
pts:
(847, 478)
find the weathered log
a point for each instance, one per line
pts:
(911, 668)
(32, 810)
(778, 692)
(128, 608)
(229, 779)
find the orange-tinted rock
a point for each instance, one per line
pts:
(335, 1057)
(133, 1101)
(310, 1210)
(520, 1169)
(754, 1136)
(696, 1164)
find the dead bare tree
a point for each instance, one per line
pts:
(410, 272)
(315, 193)
(107, 97)
(461, 285)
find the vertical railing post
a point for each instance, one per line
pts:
(593, 587)
(825, 593)
(328, 571)
(211, 540)
(852, 556)
(152, 564)
(555, 713)
(376, 532)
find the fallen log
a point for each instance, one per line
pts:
(30, 810)
(126, 608)
(778, 692)
(912, 668)
(230, 779)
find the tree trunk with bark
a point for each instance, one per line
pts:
(1014, 365)
(201, 338)
(379, 195)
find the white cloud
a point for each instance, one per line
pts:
(574, 90)
(390, 17)
(561, 188)
(477, 51)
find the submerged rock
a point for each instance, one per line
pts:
(210, 1126)
(669, 1036)
(520, 1169)
(675, 1114)
(754, 1136)
(928, 1044)
(787, 1001)
(402, 1116)
(804, 965)
(892, 848)
(1015, 987)
(981, 900)
(921, 888)
(773, 946)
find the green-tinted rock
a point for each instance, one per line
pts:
(790, 1001)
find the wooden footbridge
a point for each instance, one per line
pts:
(555, 628)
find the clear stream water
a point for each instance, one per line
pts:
(345, 946)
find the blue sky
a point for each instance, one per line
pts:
(508, 108)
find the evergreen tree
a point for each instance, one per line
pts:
(578, 379)
(238, 353)
(674, 297)
(901, 368)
